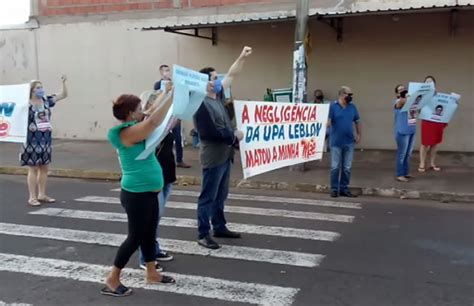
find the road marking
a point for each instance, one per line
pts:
(260, 198)
(207, 287)
(2, 303)
(191, 223)
(177, 246)
(239, 210)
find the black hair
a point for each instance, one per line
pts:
(208, 71)
(396, 87)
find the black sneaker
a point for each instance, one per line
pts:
(163, 256)
(207, 242)
(348, 194)
(334, 194)
(158, 267)
(226, 233)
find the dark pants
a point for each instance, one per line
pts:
(142, 215)
(178, 143)
(215, 188)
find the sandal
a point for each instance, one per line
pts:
(435, 168)
(47, 199)
(421, 169)
(34, 202)
(119, 292)
(165, 279)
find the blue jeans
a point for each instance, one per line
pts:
(178, 143)
(215, 188)
(404, 150)
(341, 165)
(163, 197)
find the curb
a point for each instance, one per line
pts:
(186, 180)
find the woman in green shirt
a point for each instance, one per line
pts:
(141, 182)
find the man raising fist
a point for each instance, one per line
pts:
(218, 139)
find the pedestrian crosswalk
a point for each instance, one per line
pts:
(222, 288)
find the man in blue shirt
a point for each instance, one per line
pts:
(343, 116)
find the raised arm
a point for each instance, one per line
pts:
(236, 67)
(159, 98)
(63, 94)
(400, 103)
(142, 130)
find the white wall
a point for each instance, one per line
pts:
(106, 58)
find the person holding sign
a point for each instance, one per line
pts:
(165, 72)
(404, 130)
(164, 153)
(141, 182)
(218, 139)
(431, 137)
(36, 152)
(343, 116)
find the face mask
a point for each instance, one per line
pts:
(319, 97)
(348, 99)
(217, 86)
(39, 93)
(403, 94)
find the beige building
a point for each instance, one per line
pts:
(380, 45)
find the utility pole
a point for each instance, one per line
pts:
(299, 60)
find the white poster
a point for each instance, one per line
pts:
(419, 94)
(441, 108)
(14, 106)
(277, 135)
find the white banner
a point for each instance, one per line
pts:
(14, 106)
(277, 135)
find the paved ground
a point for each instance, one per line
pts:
(373, 251)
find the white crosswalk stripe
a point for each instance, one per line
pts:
(259, 198)
(225, 290)
(231, 291)
(177, 246)
(239, 210)
(191, 223)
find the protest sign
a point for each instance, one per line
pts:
(158, 134)
(190, 88)
(419, 94)
(14, 107)
(277, 135)
(441, 108)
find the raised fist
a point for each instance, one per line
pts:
(246, 51)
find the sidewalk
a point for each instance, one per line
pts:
(373, 171)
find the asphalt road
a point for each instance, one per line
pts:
(297, 249)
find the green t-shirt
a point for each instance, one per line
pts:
(137, 175)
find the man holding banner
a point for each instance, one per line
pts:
(218, 139)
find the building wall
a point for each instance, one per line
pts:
(104, 58)
(80, 7)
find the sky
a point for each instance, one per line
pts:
(14, 12)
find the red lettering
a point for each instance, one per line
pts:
(249, 159)
(258, 114)
(245, 115)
